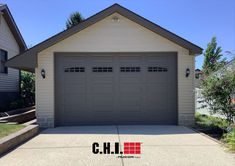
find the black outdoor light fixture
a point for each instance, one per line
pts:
(43, 73)
(187, 72)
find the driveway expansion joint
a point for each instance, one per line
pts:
(119, 139)
(57, 147)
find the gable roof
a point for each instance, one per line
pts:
(27, 60)
(13, 27)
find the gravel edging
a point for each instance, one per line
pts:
(14, 139)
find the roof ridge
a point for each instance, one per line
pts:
(32, 52)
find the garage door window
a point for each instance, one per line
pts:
(129, 69)
(102, 69)
(157, 69)
(74, 69)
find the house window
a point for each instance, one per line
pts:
(102, 69)
(74, 69)
(198, 75)
(157, 69)
(3, 59)
(129, 69)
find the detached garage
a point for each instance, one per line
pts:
(113, 68)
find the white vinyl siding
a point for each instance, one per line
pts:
(109, 36)
(8, 82)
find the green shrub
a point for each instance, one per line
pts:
(16, 104)
(27, 95)
(210, 122)
(216, 126)
(2, 108)
(218, 90)
(229, 138)
(28, 87)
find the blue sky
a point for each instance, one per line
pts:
(194, 20)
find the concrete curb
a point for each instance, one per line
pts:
(205, 135)
(20, 118)
(16, 111)
(14, 139)
(211, 138)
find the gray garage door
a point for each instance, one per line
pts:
(115, 89)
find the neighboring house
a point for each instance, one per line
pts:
(229, 64)
(113, 68)
(198, 73)
(11, 44)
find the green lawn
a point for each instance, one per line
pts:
(6, 129)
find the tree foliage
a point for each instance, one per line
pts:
(27, 94)
(218, 82)
(28, 87)
(212, 55)
(218, 91)
(74, 19)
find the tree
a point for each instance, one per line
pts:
(27, 94)
(28, 87)
(218, 90)
(74, 19)
(212, 55)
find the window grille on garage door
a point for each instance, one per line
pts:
(74, 69)
(102, 69)
(157, 69)
(129, 69)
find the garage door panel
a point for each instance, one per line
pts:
(74, 108)
(101, 59)
(130, 89)
(136, 90)
(103, 117)
(156, 99)
(129, 98)
(131, 118)
(159, 106)
(130, 60)
(72, 61)
(101, 89)
(103, 109)
(130, 79)
(157, 78)
(74, 90)
(75, 83)
(103, 102)
(77, 77)
(156, 89)
(74, 114)
(130, 108)
(102, 79)
(74, 101)
(160, 60)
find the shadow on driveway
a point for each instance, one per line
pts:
(121, 129)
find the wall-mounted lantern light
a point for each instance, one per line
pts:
(43, 73)
(187, 72)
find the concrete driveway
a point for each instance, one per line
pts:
(160, 145)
